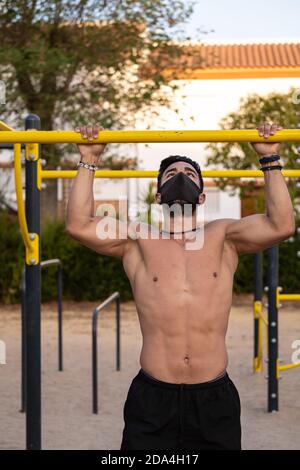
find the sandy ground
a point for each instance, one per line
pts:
(67, 419)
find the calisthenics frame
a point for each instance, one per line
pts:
(29, 217)
(271, 322)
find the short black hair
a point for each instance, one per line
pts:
(178, 158)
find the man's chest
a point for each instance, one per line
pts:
(171, 259)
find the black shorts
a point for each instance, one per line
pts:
(161, 415)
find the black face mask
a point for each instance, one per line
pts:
(179, 187)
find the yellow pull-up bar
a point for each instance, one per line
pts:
(67, 174)
(64, 137)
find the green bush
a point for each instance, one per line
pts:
(11, 249)
(289, 269)
(88, 275)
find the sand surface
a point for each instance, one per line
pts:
(67, 419)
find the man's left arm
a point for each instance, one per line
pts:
(260, 231)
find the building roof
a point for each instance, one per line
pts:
(248, 55)
(219, 61)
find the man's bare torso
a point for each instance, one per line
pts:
(183, 298)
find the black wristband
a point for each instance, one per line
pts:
(271, 167)
(269, 159)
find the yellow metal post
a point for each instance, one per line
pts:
(31, 240)
(258, 359)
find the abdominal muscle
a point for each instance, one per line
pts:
(184, 345)
(183, 301)
(169, 365)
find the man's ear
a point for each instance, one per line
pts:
(158, 198)
(202, 198)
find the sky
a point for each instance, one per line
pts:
(246, 20)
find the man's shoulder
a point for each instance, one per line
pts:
(221, 226)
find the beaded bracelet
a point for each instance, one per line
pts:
(272, 167)
(87, 166)
(269, 159)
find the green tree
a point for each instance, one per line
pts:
(147, 199)
(254, 109)
(78, 61)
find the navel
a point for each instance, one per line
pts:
(186, 359)
(215, 274)
(155, 279)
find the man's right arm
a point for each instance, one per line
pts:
(104, 235)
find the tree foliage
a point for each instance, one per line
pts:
(279, 108)
(79, 61)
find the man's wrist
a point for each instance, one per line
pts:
(90, 159)
(271, 159)
(88, 166)
(271, 163)
(261, 155)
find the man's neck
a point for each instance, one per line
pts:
(180, 224)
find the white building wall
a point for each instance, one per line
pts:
(7, 179)
(201, 104)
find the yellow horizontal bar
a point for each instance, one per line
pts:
(53, 174)
(289, 296)
(5, 127)
(129, 136)
(288, 366)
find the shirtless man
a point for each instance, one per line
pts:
(182, 397)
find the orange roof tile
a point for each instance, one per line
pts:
(233, 61)
(244, 55)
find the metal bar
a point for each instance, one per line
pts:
(132, 136)
(9, 147)
(272, 275)
(66, 174)
(45, 264)
(289, 296)
(96, 312)
(94, 362)
(289, 366)
(5, 127)
(33, 305)
(107, 301)
(50, 262)
(19, 196)
(53, 174)
(263, 319)
(59, 309)
(23, 345)
(258, 293)
(118, 358)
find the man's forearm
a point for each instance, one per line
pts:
(80, 208)
(279, 206)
